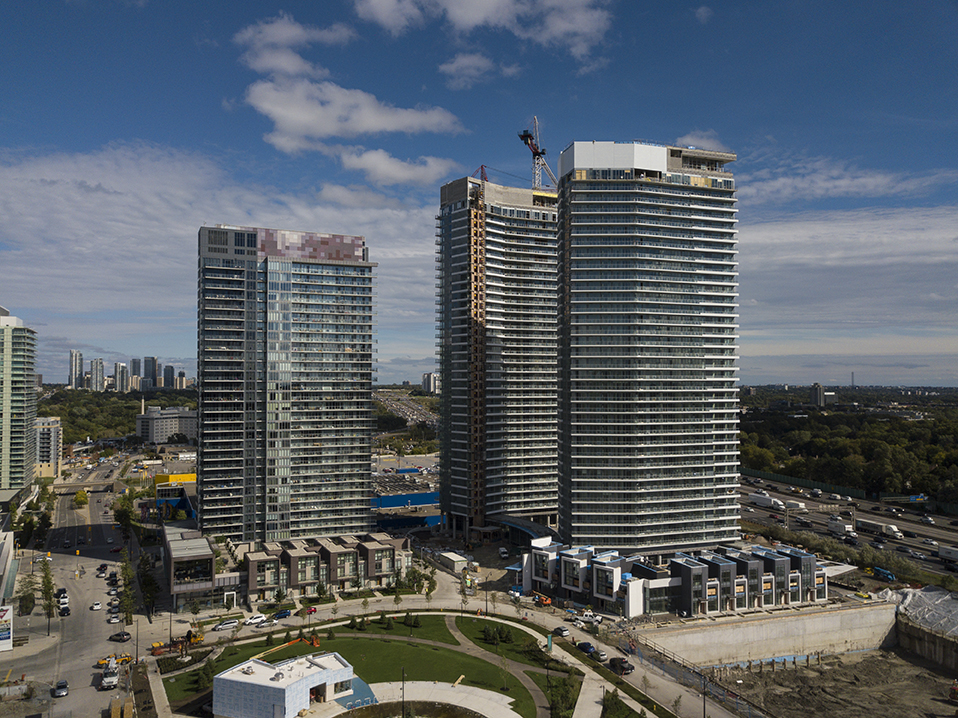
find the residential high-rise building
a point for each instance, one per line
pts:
(18, 402)
(431, 383)
(180, 380)
(150, 370)
(75, 380)
(49, 446)
(285, 346)
(97, 378)
(121, 378)
(496, 272)
(169, 374)
(648, 291)
(134, 367)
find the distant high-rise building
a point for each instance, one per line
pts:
(180, 380)
(285, 322)
(159, 374)
(18, 402)
(49, 446)
(169, 374)
(75, 380)
(431, 383)
(816, 397)
(149, 370)
(134, 367)
(496, 268)
(135, 382)
(97, 378)
(121, 378)
(648, 291)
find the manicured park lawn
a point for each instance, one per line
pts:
(432, 628)
(520, 650)
(377, 660)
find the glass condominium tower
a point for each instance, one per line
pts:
(648, 292)
(496, 330)
(285, 345)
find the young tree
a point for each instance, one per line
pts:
(397, 599)
(80, 499)
(26, 592)
(495, 602)
(365, 604)
(46, 591)
(194, 609)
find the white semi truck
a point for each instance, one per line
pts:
(766, 501)
(797, 507)
(877, 527)
(841, 528)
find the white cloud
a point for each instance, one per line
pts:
(99, 249)
(357, 196)
(703, 14)
(302, 111)
(466, 69)
(383, 169)
(576, 26)
(868, 281)
(782, 178)
(270, 45)
(706, 139)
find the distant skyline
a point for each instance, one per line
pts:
(128, 124)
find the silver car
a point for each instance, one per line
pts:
(61, 689)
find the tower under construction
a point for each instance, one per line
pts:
(496, 283)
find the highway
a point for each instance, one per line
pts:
(819, 511)
(399, 403)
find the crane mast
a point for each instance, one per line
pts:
(531, 140)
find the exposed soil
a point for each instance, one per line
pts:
(857, 685)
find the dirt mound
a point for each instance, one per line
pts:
(860, 685)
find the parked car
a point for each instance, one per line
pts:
(254, 620)
(561, 631)
(61, 689)
(285, 613)
(121, 637)
(310, 610)
(96, 606)
(586, 647)
(621, 666)
(600, 656)
(64, 611)
(101, 575)
(268, 623)
(113, 619)
(226, 625)
(116, 549)
(503, 552)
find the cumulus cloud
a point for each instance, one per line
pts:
(466, 69)
(308, 110)
(302, 110)
(703, 14)
(706, 139)
(270, 45)
(99, 249)
(575, 26)
(382, 168)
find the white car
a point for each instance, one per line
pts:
(226, 625)
(110, 540)
(96, 606)
(113, 619)
(254, 620)
(930, 542)
(268, 623)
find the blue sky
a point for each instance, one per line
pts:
(124, 126)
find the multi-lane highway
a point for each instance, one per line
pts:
(918, 535)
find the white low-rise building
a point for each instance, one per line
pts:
(256, 689)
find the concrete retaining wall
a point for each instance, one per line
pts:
(825, 631)
(933, 645)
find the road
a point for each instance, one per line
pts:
(819, 511)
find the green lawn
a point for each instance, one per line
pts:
(433, 628)
(520, 650)
(377, 660)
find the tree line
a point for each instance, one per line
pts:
(908, 446)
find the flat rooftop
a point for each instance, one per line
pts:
(257, 672)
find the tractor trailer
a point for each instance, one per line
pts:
(838, 527)
(877, 527)
(766, 501)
